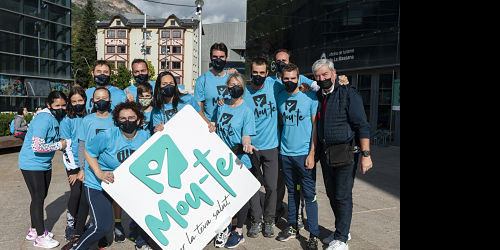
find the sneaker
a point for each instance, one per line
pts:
(45, 241)
(103, 243)
(312, 243)
(32, 234)
(145, 247)
(268, 230)
(337, 245)
(221, 238)
(119, 233)
(235, 240)
(69, 232)
(254, 230)
(330, 238)
(72, 242)
(288, 233)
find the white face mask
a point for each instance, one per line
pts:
(145, 102)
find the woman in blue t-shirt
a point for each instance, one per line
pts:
(234, 122)
(35, 162)
(168, 100)
(104, 153)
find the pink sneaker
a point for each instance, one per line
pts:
(45, 241)
(32, 234)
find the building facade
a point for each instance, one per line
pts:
(361, 38)
(171, 44)
(35, 51)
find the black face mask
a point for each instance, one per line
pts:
(325, 84)
(258, 80)
(235, 92)
(58, 113)
(102, 105)
(141, 79)
(79, 108)
(102, 80)
(290, 86)
(218, 64)
(168, 90)
(128, 127)
(279, 66)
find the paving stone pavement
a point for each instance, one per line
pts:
(375, 222)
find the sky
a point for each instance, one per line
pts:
(214, 11)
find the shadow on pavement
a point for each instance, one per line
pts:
(5, 151)
(54, 210)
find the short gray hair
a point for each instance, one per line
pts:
(322, 62)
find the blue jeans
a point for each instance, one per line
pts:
(339, 183)
(295, 171)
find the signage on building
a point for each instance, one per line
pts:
(184, 185)
(395, 95)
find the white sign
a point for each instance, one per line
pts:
(183, 185)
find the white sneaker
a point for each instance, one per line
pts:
(337, 245)
(45, 241)
(330, 238)
(32, 234)
(221, 238)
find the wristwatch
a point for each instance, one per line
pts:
(365, 153)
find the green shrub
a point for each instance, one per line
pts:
(6, 119)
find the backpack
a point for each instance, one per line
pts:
(12, 126)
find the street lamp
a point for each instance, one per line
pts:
(74, 75)
(199, 5)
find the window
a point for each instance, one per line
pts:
(177, 34)
(148, 50)
(177, 49)
(364, 86)
(164, 50)
(122, 34)
(172, 22)
(165, 34)
(111, 34)
(118, 23)
(384, 101)
(122, 49)
(110, 49)
(176, 65)
(148, 35)
(164, 65)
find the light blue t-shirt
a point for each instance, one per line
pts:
(296, 111)
(264, 107)
(232, 124)
(302, 79)
(211, 90)
(111, 149)
(168, 110)
(148, 125)
(92, 125)
(117, 97)
(132, 89)
(69, 130)
(44, 126)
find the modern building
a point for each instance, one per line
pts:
(171, 44)
(35, 51)
(361, 37)
(233, 35)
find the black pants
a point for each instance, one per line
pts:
(269, 174)
(38, 185)
(280, 191)
(78, 206)
(242, 215)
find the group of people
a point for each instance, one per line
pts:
(278, 126)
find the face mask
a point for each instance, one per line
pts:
(102, 105)
(58, 113)
(290, 86)
(102, 80)
(218, 64)
(145, 102)
(141, 79)
(279, 66)
(235, 92)
(325, 84)
(128, 127)
(258, 80)
(168, 90)
(78, 108)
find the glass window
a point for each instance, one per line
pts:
(384, 101)
(111, 34)
(122, 49)
(164, 65)
(122, 34)
(176, 65)
(9, 21)
(30, 46)
(364, 86)
(10, 64)
(164, 50)
(148, 35)
(110, 49)
(148, 50)
(30, 7)
(11, 5)
(177, 49)
(177, 34)
(57, 14)
(10, 43)
(118, 23)
(165, 34)
(30, 66)
(172, 22)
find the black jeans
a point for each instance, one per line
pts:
(38, 183)
(339, 183)
(269, 173)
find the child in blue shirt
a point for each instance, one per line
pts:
(145, 99)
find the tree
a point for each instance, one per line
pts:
(84, 49)
(123, 77)
(151, 69)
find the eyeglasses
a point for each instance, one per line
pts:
(130, 119)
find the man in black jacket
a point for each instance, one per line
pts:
(341, 121)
